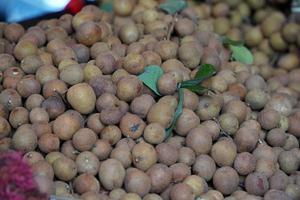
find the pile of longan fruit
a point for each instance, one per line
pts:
(73, 103)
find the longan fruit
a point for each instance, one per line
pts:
(106, 62)
(161, 177)
(256, 98)
(226, 180)
(65, 62)
(253, 36)
(85, 183)
(129, 33)
(229, 123)
(94, 123)
(221, 25)
(276, 137)
(154, 133)
(290, 32)
(102, 84)
(128, 88)
(268, 118)
(292, 190)
(134, 63)
(265, 152)
(87, 162)
(186, 122)
(190, 54)
(204, 166)
(111, 174)
(278, 180)
(266, 167)
(256, 183)
(84, 139)
(184, 26)
(224, 152)
(144, 156)
(82, 97)
(179, 172)
(244, 163)
(65, 126)
(111, 133)
(276, 194)
(54, 106)
(289, 61)
(41, 128)
(208, 108)
(24, 48)
(181, 191)
(186, 155)
(52, 156)
(24, 138)
(7, 61)
(38, 115)
(167, 153)
(236, 107)
(246, 139)
(151, 58)
(200, 140)
(88, 33)
(293, 126)
(72, 74)
(98, 48)
(123, 154)
(126, 142)
(132, 125)
(288, 162)
(13, 32)
(17, 117)
(48, 142)
(30, 64)
(166, 49)
(197, 183)
(47, 73)
(190, 100)
(116, 194)
(123, 7)
(141, 105)
(28, 86)
(64, 168)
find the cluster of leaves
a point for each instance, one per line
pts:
(152, 74)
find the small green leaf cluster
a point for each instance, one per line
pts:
(152, 73)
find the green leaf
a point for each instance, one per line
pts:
(173, 6)
(228, 41)
(150, 77)
(107, 6)
(241, 54)
(205, 71)
(177, 113)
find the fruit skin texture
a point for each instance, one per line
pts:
(82, 98)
